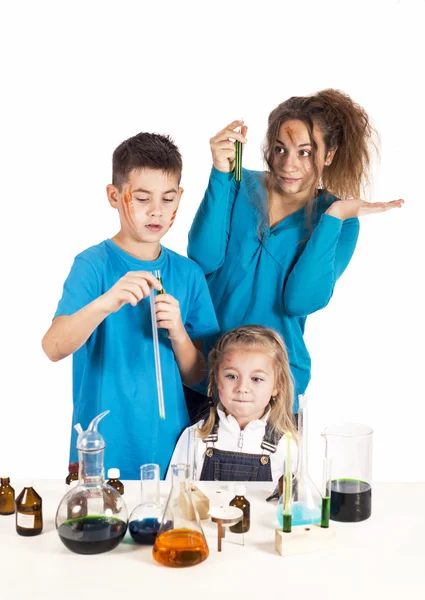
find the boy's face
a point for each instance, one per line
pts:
(147, 203)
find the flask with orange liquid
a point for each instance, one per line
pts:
(184, 545)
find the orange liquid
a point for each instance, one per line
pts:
(180, 548)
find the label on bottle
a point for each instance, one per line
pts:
(25, 521)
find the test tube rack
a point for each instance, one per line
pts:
(304, 539)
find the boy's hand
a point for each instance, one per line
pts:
(347, 209)
(223, 150)
(168, 316)
(130, 289)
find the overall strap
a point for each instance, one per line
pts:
(271, 439)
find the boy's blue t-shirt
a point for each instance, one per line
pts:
(115, 368)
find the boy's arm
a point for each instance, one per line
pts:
(188, 354)
(69, 332)
(190, 359)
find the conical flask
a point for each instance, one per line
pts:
(92, 516)
(146, 518)
(184, 544)
(306, 498)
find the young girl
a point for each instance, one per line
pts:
(273, 245)
(251, 395)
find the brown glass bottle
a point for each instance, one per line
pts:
(7, 497)
(114, 481)
(73, 473)
(29, 515)
(241, 502)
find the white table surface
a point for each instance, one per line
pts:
(383, 557)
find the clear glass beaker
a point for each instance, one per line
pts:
(349, 446)
(183, 545)
(92, 517)
(146, 518)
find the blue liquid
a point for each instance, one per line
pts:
(301, 514)
(144, 531)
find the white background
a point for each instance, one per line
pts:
(78, 78)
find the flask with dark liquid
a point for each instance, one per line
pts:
(7, 497)
(180, 541)
(92, 517)
(146, 518)
(29, 512)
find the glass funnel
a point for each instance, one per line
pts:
(306, 498)
(180, 541)
(146, 518)
(92, 516)
(349, 446)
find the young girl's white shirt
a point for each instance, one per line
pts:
(231, 438)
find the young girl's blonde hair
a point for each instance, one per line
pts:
(255, 337)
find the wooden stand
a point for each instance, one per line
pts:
(304, 539)
(225, 515)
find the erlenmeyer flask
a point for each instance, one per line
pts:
(146, 518)
(350, 448)
(184, 545)
(306, 498)
(92, 516)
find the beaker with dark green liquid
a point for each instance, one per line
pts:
(349, 446)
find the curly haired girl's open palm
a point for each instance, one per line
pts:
(348, 209)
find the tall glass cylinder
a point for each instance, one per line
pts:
(350, 448)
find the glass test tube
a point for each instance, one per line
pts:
(238, 160)
(326, 492)
(161, 406)
(287, 498)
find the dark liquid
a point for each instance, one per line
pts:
(92, 535)
(351, 500)
(144, 531)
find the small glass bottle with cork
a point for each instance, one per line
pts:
(7, 497)
(241, 502)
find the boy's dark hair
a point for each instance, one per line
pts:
(145, 151)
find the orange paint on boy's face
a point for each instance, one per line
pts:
(292, 158)
(148, 204)
(173, 216)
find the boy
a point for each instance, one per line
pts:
(104, 320)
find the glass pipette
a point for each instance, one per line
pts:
(161, 406)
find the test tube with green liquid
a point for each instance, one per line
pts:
(238, 160)
(326, 492)
(287, 492)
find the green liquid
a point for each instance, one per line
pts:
(326, 509)
(287, 523)
(92, 535)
